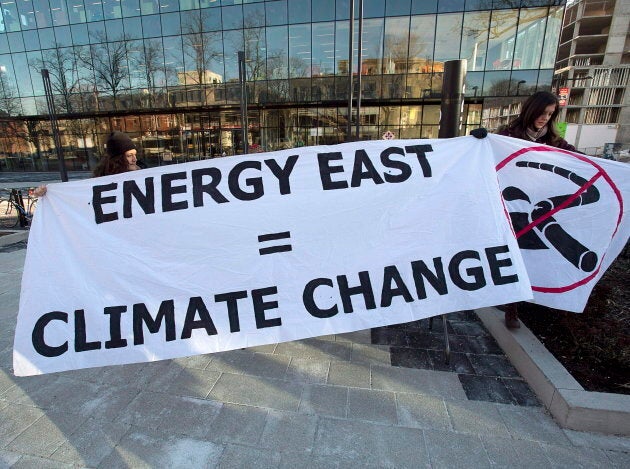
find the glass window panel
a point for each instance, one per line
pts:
(420, 7)
(59, 12)
(94, 11)
(396, 45)
(76, 11)
(417, 83)
(475, 39)
(398, 7)
(129, 7)
(478, 5)
(232, 43)
(496, 83)
(325, 10)
(133, 27)
(430, 114)
(188, 4)
(148, 7)
(276, 12)
(31, 41)
(151, 26)
(10, 18)
(501, 39)
(62, 35)
(46, 38)
(26, 14)
(169, 6)
(232, 17)
(300, 11)
(80, 34)
(323, 40)
(22, 75)
(96, 32)
(343, 9)
(173, 59)
(530, 37)
(474, 83)
(112, 9)
(16, 41)
(341, 47)
(254, 15)
(210, 3)
(4, 44)
(371, 9)
(114, 29)
(170, 24)
(523, 82)
(35, 61)
(545, 78)
(554, 23)
(389, 118)
(211, 19)
(448, 36)
(300, 50)
(421, 41)
(255, 53)
(277, 52)
(373, 39)
(446, 6)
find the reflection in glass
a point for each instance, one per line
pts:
(475, 39)
(323, 47)
(554, 23)
(448, 36)
(501, 40)
(421, 41)
(300, 50)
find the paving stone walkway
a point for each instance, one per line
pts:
(381, 398)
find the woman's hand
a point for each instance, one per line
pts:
(40, 191)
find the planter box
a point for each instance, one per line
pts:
(560, 393)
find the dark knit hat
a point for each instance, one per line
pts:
(118, 143)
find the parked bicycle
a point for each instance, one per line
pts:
(15, 209)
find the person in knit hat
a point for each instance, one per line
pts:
(120, 156)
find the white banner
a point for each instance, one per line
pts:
(570, 215)
(222, 254)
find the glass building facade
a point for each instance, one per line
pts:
(167, 71)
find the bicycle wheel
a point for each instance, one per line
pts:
(32, 204)
(8, 214)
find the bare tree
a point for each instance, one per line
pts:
(62, 65)
(108, 62)
(202, 47)
(148, 60)
(9, 101)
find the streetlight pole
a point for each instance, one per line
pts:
(518, 85)
(53, 124)
(242, 78)
(350, 79)
(359, 57)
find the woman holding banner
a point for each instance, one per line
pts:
(535, 123)
(120, 157)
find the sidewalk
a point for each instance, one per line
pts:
(380, 398)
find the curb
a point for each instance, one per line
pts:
(12, 237)
(572, 406)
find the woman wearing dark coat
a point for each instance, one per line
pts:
(535, 123)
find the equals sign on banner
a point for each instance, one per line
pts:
(278, 237)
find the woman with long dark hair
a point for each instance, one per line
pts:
(120, 156)
(537, 122)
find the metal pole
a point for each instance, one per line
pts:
(360, 57)
(350, 79)
(452, 97)
(53, 124)
(242, 78)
